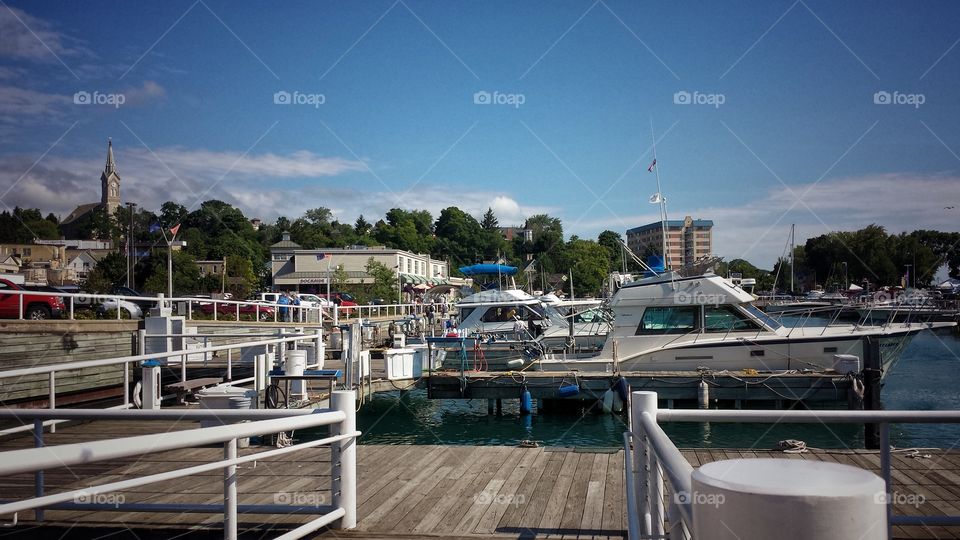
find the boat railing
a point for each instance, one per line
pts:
(340, 510)
(650, 458)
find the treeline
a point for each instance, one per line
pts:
(217, 230)
(872, 257)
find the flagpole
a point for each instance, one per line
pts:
(663, 200)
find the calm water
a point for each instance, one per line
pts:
(927, 377)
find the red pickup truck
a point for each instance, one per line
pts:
(35, 306)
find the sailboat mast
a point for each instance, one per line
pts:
(793, 240)
(663, 200)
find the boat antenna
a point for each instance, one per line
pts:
(793, 249)
(626, 249)
(663, 202)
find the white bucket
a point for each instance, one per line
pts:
(227, 397)
(294, 364)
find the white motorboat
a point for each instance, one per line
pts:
(673, 323)
(513, 315)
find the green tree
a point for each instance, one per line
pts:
(362, 227)
(459, 236)
(339, 279)
(611, 241)
(384, 280)
(110, 271)
(589, 262)
(241, 279)
(489, 221)
(186, 273)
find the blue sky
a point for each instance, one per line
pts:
(781, 125)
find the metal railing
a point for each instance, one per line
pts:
(653, 456)
(342, 510)
(181, 355)
(193, 308)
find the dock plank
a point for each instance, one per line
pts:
(433, 491)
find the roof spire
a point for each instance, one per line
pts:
(111, 166)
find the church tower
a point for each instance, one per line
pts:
(110, 182)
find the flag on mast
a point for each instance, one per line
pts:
(154, 227)
(174, 229)
(652, 165)
(657, 198)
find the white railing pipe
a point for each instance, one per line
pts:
(67, 455)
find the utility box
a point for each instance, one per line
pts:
(399, 363)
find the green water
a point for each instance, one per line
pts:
(926, 378)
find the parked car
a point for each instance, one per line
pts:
(145, 305)
(110, 304)
(341, 299)
(265, 312)
(35, 306)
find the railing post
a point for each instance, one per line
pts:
(150, 384)
(885, 472)
(126, 384)
(229, 364)
(640, 403)
(52, 396)
(343, 459)
(38, 476)
(230, 491)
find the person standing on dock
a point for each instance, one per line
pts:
(284, 301)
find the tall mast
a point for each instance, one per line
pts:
(793, 240)
(663, 200)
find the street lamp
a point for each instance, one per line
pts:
(131, 258)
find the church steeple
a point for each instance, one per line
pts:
(110, 182)
(111, 165)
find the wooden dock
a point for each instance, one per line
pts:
(424, 491)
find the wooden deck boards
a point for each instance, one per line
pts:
(435, 491)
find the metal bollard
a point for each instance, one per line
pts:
(150, 383)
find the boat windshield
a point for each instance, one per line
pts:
(764, 318)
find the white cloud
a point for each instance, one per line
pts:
(25, 37)
(757, 229)
(265, 185)
(17, 103)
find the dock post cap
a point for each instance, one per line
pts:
(785, 499)
(153, 362)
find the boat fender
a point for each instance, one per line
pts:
(526, 402)
(623, 389)
(568, 390)
(515, 363)
(608, 401)
(617, 403)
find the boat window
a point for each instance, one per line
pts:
(764, 318)
(726, 318)
(500, 314)
(668, 320)
(465, 312)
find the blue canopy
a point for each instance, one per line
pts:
(488, 269)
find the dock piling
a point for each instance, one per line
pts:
(871, 392)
